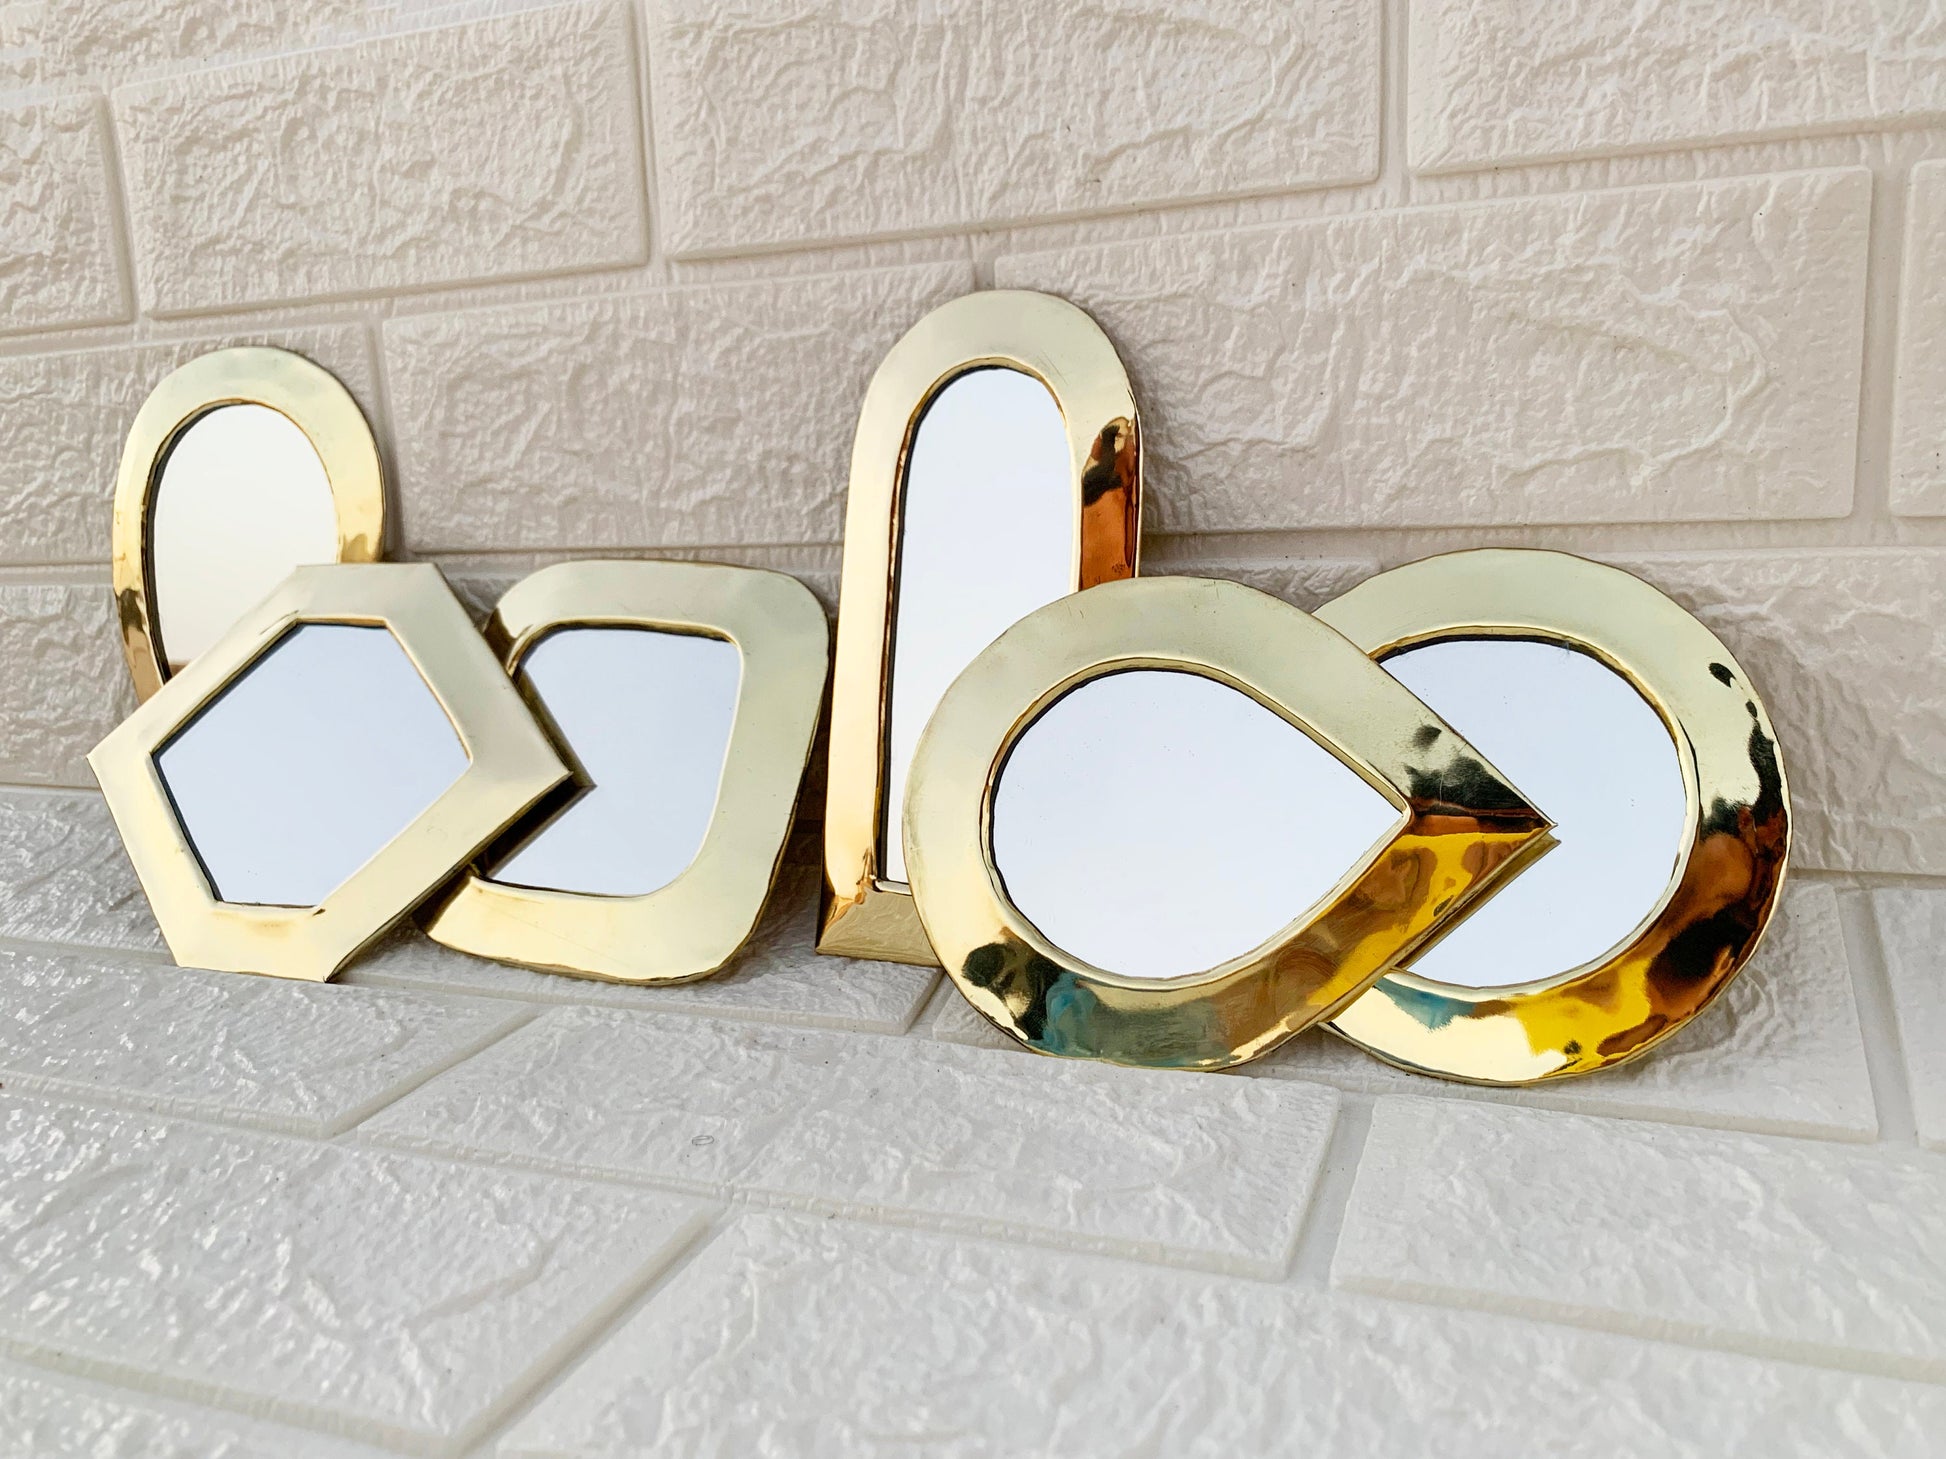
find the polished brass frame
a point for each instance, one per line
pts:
(311, 397)
(864, 915)
(512, 765)
(1462, 828)
(694, 925)
(1724, 886)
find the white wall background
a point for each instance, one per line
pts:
(1659, 283)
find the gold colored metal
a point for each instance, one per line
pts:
(511, 766)
(1725, 883)
(311, 397)
(864, 915)
(1462, 828)
(694, 925)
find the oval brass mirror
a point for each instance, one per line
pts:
(241, 465)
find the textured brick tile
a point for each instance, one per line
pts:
(1496, 80)
(707, 414)
(43, 1416)
(780, 123)
(1175, 1167)
(411, 161)
(58, 262)
(1846, 647)
(1654, 354)
(64, 876)
(259, 1051)
(1912, 927)
(119, 38)
(1919, 409)
(777, 978)
(977, 1350)
(64, 417)
(1304, 582)
(1790, 1248)
(63, 680)
(385, 1296)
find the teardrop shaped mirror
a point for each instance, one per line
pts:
(241, 466)
(996, 468)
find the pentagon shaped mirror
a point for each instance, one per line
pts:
(996, 468)
(687, 695)
(241, 465)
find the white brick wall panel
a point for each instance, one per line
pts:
(119, 38)
(407, 162)
(700, 414)
(1176, 1167)
(64, 877)
(779, 124)
(1504, 80)
(62, 679)
(387, 1297)
(1846, 647)
(64, 418)
(303, 1057)
(1644, 355)
(978, 1350)
(1788, 1248)
(1912, 930)
(58, 253)
(778, 977)
(1919, 409)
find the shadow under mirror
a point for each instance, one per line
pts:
(1159, 823)
(308, 764)
(1581, 743)
(986, 535)
(647, 714)
(241, 499)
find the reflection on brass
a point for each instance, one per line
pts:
(1724, 886)
(864, 915)
(691, 927)
(311, 398)
(1462, 829)
(511, 766)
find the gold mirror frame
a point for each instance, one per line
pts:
(1723, 887)
(691, 927)
(1462, 828)
(511, 765)
(306, 394)
(1057, 344)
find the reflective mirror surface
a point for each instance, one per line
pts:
(987, 535)
(1157, 823)
(648, 715)
(308, 764)
(242, 499)
(1584, 746)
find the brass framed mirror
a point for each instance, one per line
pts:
(687, 695)
(324, 767)
(1207, 975)
(996, 468)
(1635, 727)
(241, 465)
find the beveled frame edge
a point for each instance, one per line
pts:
(691, 927)
(1618, 1006)
(1057, 343)
(1462, 829)
(305, 393)
(511, 765)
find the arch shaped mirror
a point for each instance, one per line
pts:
(241, 466)
(996, 469)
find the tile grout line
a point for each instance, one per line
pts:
(1317, 1238)
(1871, 981)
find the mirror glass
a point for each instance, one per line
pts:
(242, 500)
(987, 535)
(1583, 745)
(1157, 823)
(324, 749)
(647, 716)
